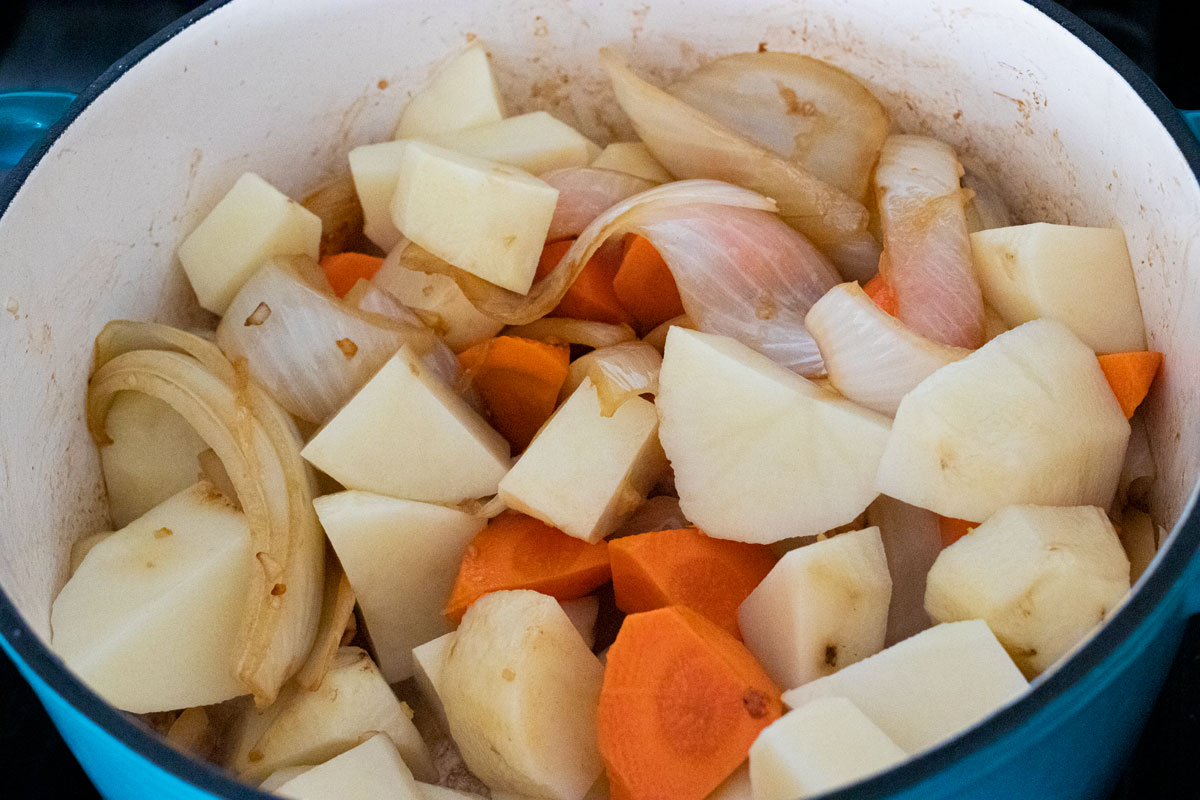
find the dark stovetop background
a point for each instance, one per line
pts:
(65, 44)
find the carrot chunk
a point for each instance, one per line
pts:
(1130, 376)
(518, 381)
(953, 529)
(519, 552)
(343, 270)
(591, 296)
(681, 703)
(880, 291)
(686, 568)
(645, 287)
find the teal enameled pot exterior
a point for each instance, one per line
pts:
(1067, 739)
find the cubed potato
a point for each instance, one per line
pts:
(375, 169)
(632, 158)
(83, 546)
(821, 607)
(407, 435)
(1026, 419)
(431, 791)
(585, 472)
(253, 222)
(458, 322)
(150, 620)
(372, 770)
(1041, 577)
(1079, 276)
(759, 453)
(484, 217)
(461, 94)
(303, 727)
(926, 688)
(521, 691)
(282, 776)
(152, 455)
(429, 663)
(535, 142)
(821, 746)
(401, 558)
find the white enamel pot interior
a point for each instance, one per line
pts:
(288, 88)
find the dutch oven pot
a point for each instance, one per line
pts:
(1072, 131)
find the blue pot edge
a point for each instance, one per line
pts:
(37, 658)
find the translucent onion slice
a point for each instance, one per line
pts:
(310, 350)
(565, 330)
(925, 238)
(618, 372)
(516, 309)
(259, 447)
(804, 109)
(370, 299)
(337, 614)
(872, 358)
(743, 273)
(657, 338)
(986, 208)
(584, 193)
(691, 144)
(336, 203)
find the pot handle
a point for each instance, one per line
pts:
(25, 117)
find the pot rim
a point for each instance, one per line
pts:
(1172, 566)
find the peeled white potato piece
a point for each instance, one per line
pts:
(303, 727)
(458, 322)
(431, 791)
(535, 142)
(372, 770)
(1137, 537)
(375, 169)
(632, 158)
(1041, 577)
(759, 453)
(520, 689)
(482, 216)
(1079, 276)
(821, 607)
(817, 748)
(402, 558)
(912, 541)
(927, 688)
(83, 546)
(150, 620)
(584, 473)
(407, 434)
(151, 457)
(282, 776)
(429, 665)
(461, 94)
(251, 223)
(1027, 419)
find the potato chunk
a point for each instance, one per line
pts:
(461, 94)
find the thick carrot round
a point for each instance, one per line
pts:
(953, 529)
(686, 568)
(515, 551)
(518, 381)
(681, 703)
(880, 291)
(591, 296)
(343, 270)
(1130, 376)
(645, 287)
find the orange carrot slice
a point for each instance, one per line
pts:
(1130, 376)
(644, 285)
(519, 552)
(681, 703)
(518, 381)
(880, 291)
(953, 529)
(343, 270)
(686, 568)
(591, 296)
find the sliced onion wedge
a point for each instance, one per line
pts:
(337, 616)
(517, 309)
(619, 372)
(804, 109)
(565, 330)
(691, 144)
(925, 238)
(872, 358)
(986, 208)
(586, 192)
(657, 338)
(259, 447)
